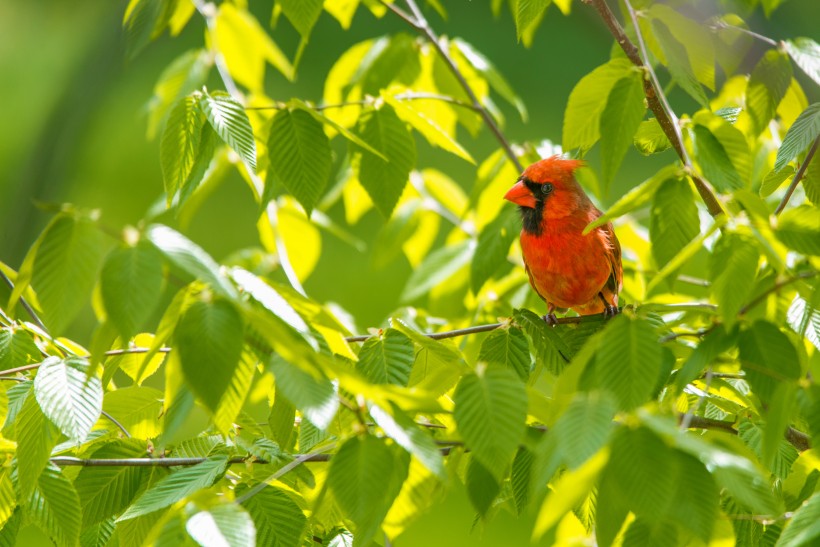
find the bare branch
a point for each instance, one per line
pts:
(797, 177)
(655, 97)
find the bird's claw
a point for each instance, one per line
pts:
(550, 319)
(610, 311)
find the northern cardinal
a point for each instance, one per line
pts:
(566, 268)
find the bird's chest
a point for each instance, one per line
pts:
(567, 268)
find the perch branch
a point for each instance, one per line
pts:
(655, 97)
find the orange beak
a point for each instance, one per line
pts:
(520, 195)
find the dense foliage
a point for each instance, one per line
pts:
(218, 404)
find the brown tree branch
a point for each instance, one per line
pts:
(655, 97)
(798, 177)
(420, 25)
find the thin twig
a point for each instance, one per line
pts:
(655, 97)
(797, 177)
(774, 288)
(128, 351)
(23, 302)
(720, 25)
(13, 371)
(688, 418)
(420, 24)
(116, 423)
(407, 96)
(685, 334)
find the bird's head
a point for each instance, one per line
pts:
(547, 189)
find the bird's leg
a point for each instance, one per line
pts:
(609, 309)
(550, 318)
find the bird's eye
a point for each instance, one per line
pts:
(546, 188)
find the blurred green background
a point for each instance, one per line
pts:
(75, 128)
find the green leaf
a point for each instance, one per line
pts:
(137, 408)
(365, 476)
(68, 397)
(639, 196)
(806, 54)
(587, 102)
(225, 524)
(279, 521)
(36, 437)
(768, 359)
(8, 534)
(785, 455)
(811, 182)
(176, 486)
(387, 359)
(804, 130)
(107, 491)
(732, 140)
(406, 433)
(712, 345)
(303, 14)
(696, 40)
(627, 360)
(493, 247)
(300, 156)
(528, 13)
(678, 62)
(774, 179)
(131, 286)
(8, 498)
(97, 535)
(799, 229)
(482, 487)
(804, 526)
(619, 121)
(427, 127)
(438, 364)
(55, 507)
(714, 161)
(316, 398)
(674, 220)
(804, 319)
(140, 25)
(733, 269)
(182, 76)
(490, 410)
(508, 348)
(439, 265)
(550, 347)
(230, 122)
(767, 86)
(17, 348)
(65, 269)
(584, 427)
(209, 341)
(180, 143)
(491, 74)
(189, 257)
(650, 138)
(385, 180)
(343, 131)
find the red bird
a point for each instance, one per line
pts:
(566, 268)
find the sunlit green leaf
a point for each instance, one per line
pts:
(224, 524)
(65, 268)
(55, 507)
(17, 349)
(733, 268)
(209, 341)
(588, 101)
(438, 266)
(299, 154)
(584, 427)
(678, 61)
(529, 13)
(714, 161)
(36, 436)
(176, 486)
(482, 486)
(180, 143)
(768, 83)
(387, 359)
(804, 526)
(799, 229)
(650, 138)
(494, 243)
(620, 119)
(230, 122)
(107, 491)
(385, 180)
(768, 358)
(490, 409)
(315, 398)
(694, 37)
(806, 54)
(508, 348)
(674, 221)
(279, 521)
(627, 360)
(68, 397)
(410, 436)
(366, 475)
(804, 130)
(303, 14)
(131, 286)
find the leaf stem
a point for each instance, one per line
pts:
(797, 177)
(774, 288)
(655, 96)
(420, 24)
(724, 25)
(23, 302)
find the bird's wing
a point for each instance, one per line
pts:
(616, 278)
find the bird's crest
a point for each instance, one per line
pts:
(552, 169)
